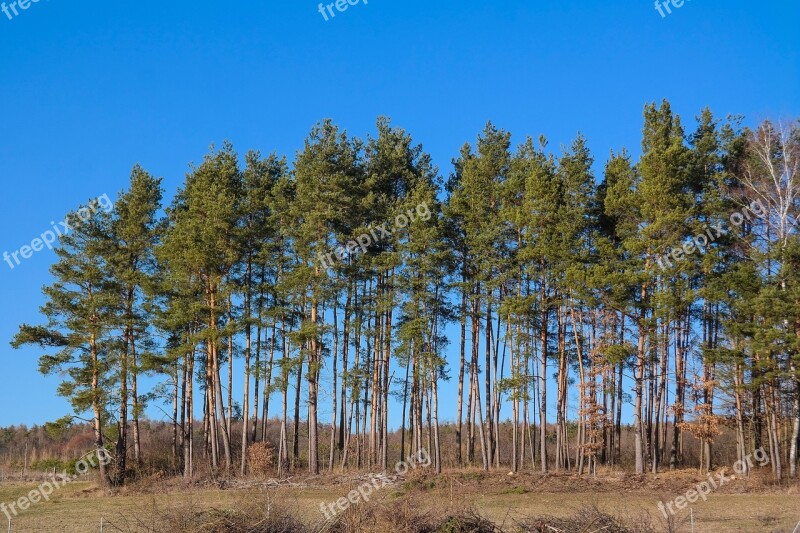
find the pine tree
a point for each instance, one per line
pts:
(82, 311)
(328, 174)
(259, 235)
(135, 230)
(202, 246)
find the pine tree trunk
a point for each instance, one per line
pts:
(217, 376)
(487, 373)
(211, 426)
(678, 408)
(561, 407)
(188, 449)
(660, 398)
(795, 440)
(484, 444)
(226, 441)
(353, 410)
(268, 378)
(176, 380)
(376, 369)
(345, 362)
(97, 410)
(543, 374)
(637, 409)
(122, 424)
(229, 421)
(462, 364)
(437, 450)
(334, 391)
(182, 442)
(134, 369)
(387, 348)
(247, 369)
(580, 448)
(296, 428)
(313, 372)
(283, 447)
(515, 411)
(257, 365)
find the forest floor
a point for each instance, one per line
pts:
(752, 505)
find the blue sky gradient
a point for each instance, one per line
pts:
(91, 88)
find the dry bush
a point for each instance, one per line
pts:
(587, 519)
(421, 479)
(467, 521)
(155, 483)
(409, 516)
(261, 458)
(403, 515)
(257, 514)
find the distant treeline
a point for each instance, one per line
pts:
(672, 282)
(34, 452)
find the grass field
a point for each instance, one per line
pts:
(743, 506)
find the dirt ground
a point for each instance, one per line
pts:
(752, 505)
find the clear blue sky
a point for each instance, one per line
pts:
(89, 88)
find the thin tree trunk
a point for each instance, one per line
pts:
(543, 376)
(122, 423)
(462, 364)
(188, 449)
(96, 408)
(334, 390)
(313, 371)
(247, 370)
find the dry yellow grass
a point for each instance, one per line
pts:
(79, 507)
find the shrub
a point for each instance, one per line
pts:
(261, 458)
